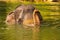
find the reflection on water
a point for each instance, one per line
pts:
(19, 32)
(49, 30)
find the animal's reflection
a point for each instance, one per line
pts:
(35, 32)
(24, 14)
(23, 32)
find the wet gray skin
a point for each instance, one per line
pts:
(23, 12)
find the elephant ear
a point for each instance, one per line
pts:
(37, 17)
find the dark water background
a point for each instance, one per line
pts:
(49, 29)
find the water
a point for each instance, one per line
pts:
(21, 33)
(49, 29)
(44, 32)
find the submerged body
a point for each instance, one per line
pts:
(26, 15)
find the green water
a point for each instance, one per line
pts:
(49, 29)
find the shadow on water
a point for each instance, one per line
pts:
(3, 7)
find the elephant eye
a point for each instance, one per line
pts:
(11, 13)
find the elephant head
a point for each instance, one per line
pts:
(26, 15)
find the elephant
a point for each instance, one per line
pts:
(24, 14)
